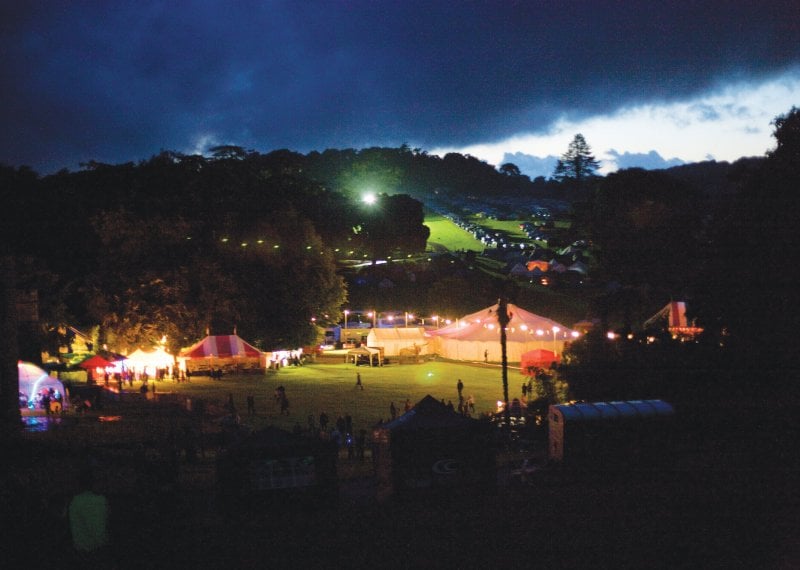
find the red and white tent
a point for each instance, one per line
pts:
(220, 346)
(674, 313)
(221, 351)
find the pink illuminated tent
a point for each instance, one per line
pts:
(476, 337)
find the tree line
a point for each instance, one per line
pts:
(179, 244)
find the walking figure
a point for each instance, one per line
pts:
(392, 411)
(358, 381)
(459, 387)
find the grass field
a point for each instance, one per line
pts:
(445, 235)
(314, 388)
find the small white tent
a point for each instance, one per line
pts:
(476, 337)
(355, 354)
(396, 341)
(151, 361)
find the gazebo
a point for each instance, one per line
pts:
(355, 354)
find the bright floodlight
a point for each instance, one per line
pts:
(369, 198)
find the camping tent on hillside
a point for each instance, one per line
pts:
(227, 352)
(395, 340)
(476, 336)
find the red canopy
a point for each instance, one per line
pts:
(95, 362)
(538, 358)
(221, 346)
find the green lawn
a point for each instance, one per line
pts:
(331, 387)
(445, 235)
(511, 227)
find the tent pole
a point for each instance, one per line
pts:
(503, 319)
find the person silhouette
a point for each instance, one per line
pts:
(88, 515)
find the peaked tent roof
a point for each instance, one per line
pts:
(159, 357)
(674, 312)
(221, 346)
(483, 326)
(95, 361)
(428, 413)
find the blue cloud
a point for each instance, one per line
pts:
(649, 161)
(532, 166)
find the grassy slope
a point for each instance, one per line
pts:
(563, 307)
(446, 236)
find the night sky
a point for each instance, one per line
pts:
(120, 81)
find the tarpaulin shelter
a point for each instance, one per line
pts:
(433, 449)
(538, 264)
(537, 358)
(33, 381)
(476, 337)
(394, 341)
(227, 352)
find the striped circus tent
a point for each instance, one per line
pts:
(229, 352)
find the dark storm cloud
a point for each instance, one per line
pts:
(118, 81)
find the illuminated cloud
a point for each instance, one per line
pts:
(724, 124)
